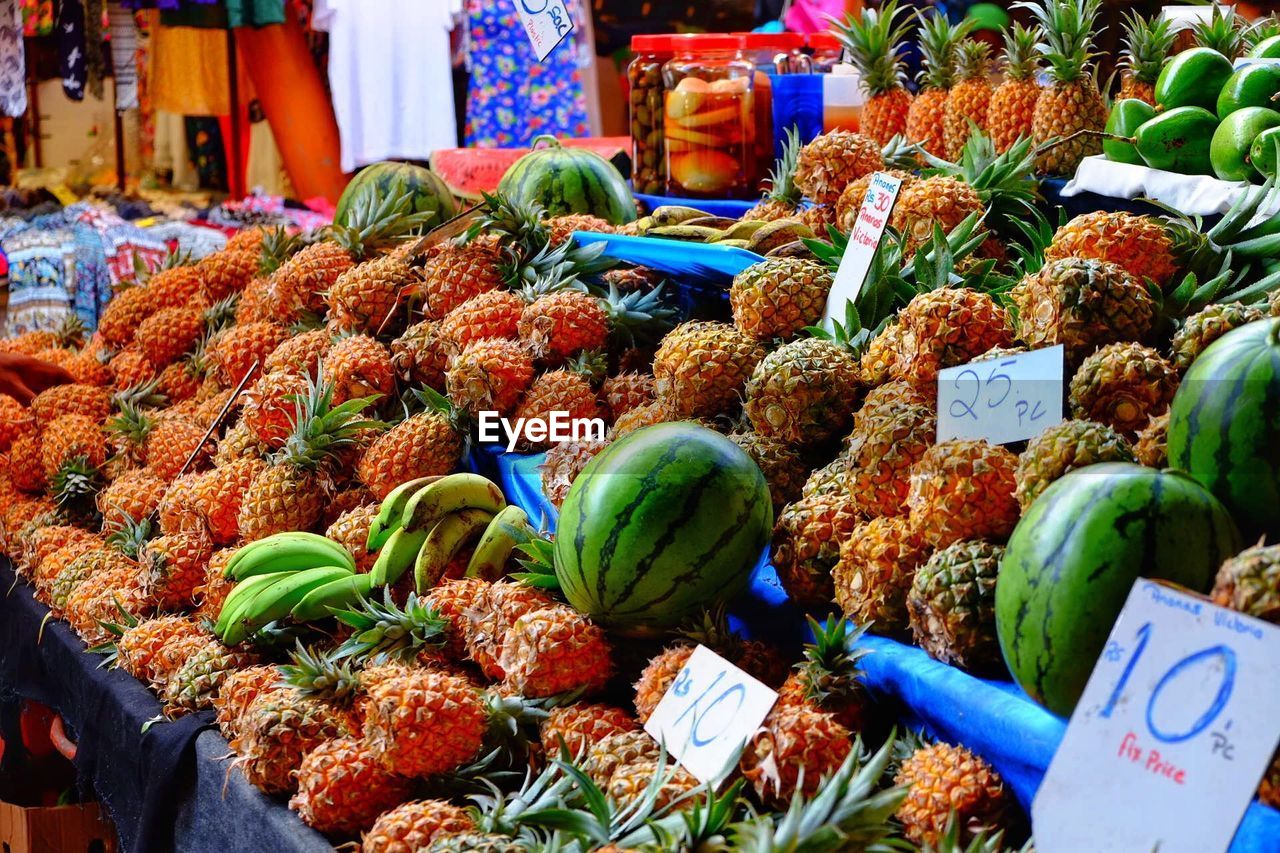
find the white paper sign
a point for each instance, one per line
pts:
(547, 22)
(1185, 17)
(710, 711)
(873, 217)
(1172, 734)
(1001, 399)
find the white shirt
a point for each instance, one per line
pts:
(391, 76)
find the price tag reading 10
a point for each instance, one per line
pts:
(708, 713)
(1001, 400)
(1172, 733)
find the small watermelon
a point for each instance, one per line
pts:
(391, 178)
(1076, 553)
(662, 522)
(569, 180)
(1224, 425)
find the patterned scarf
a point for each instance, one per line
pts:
(13, 64)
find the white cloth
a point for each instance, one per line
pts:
(124, 48)
(391, 77)
(1195, 195)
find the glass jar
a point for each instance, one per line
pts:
(770, 54)
(644, 76)
(842, 98)
(826, 51)
(709, 125)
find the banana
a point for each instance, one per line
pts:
(794, 249)
(720, 223)
(690, 233)
(397, 555)
(241, 594)
(643, 224)
(447, 538)
(778, 233)
(278, 600)
(742, 230)
(674, 214)
(508, 529)
(734, 244)
(453, 493)
(391, 509)
(294, 550)
(336, 594)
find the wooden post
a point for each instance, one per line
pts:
(118, 115)
(33, 107)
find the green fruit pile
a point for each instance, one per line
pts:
(1209, 118)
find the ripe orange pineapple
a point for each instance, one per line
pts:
(1072, 101)
(946, 327)
(235, 350)
(969, 99)
(170, 442)
(177, 287)
(874, 41)
(1151, 448)
(963, 490)
(132, 496)
(192, 686)
(626, 391)
(829, 678)
(702, 367)
(926, 117)
(177, 510)
(493, 314)
(351, 531)
(175, 565)
(15, 420)
(179, 381)
(270, 407)
(938, 200)
(26, 467)
(886, 442)
(794, 738)
(343, 788)
(579, 725)
(555, 650)
(227, 271)
(1141, 245)
(779, 297)
(140, 646)
(414, 826)
(490, 375)
(455, 272)
(238, 442)
(211, 594)
(423, 723)
(358, 366)
(117, 585)
(646, 414)
(850, 202)
(421, 355)
(218, 493)
(239, 691)
(802, 392)
(74, 399)
(1013, 103)
(877, 563)
(129, 369)
(457, 602)
(422, 445)
(124, 314)
(826, 165)
(169, 333)
(806, 544)
(72, 436)
(945, 783)
(366, 298)
(487, 616)
(299, 354)
(562, 465)
(1123, 385)
(565, 390)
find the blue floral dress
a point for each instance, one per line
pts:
(512, 97)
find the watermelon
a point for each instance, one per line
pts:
(569, 180)
(661, 523)
(391, 178)
(1224, 425)
(1077, 551)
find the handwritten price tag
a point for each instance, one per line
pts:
(711, 710)
(547, 22)
(1174, 729)
(873, 217)
(1001, 399)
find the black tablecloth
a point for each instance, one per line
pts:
(168, 789)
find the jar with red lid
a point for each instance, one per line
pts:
(644, 76)
(826, 51)
(709, 121)
(770, 54)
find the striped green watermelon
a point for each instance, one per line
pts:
(1224, 425)
(662, 522)
(391, 178)
(569, 180)
(1077, 551)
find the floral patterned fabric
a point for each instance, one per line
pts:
(512, 97)
(13, 82)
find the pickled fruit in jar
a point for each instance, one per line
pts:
(708, 138)
(644, 76)
(705, 172)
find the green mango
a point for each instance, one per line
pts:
(1178, 140)
(1193, 78)
(1268, 48)
(1250, 86)
(1126, 117)
(1262, 154)
(1229, 148)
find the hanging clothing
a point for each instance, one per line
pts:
(124, 49)
(71, 48)
(189, 70)
(390, 77)
(13, 61)
(513, 97)
(37, 17)
(95, 67)
(254, 13)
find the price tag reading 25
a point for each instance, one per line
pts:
(1175, 728)
(709, 711)
(1001, 400)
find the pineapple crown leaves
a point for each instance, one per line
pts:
(1068, 27)
(847, 813)
(1223, 32)
(1036, 234)
(518, 224)
(132, 534)
(131, 426)
(320, 428)
(1021, 59)
(1263, 28)
(315, 673)
(591, 365)
(850, 334)
(874, 42)
(938, 40)
(538, 563)
(782, 179)
(220, 315)
(639, 315)
(901, 153)
(70, 332)
(830, 667)
(973, 59)
(136, 397)
(951, 840)
(385, 632)
(699, 825)
(109, 648)
(1005, 182)
(74, 486)
(278, 245)
(376, 223)
(1147, 43)
(539, 794)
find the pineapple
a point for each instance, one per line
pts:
(779, 297)
(358, 366)
(1013, 103)
(177, 511)
(124, 314)
(117, 586)
(554, 393)
(948, 326)
(565, 322)
(850, 202)
(948, 783)
(1144, 246)
(212, 593)
(365, 298)
(343, 788)
(795, 749)
(299, 354)
(422, 445)
(68, 437)
(459, 602)
(827, 164)
(828, 678)
(217, 495)
(1151, 448)
(493, 314)
(177, 287)
(26, 467)
(613, 752)
(239, 690)
(238, 442)
(782, 201)
(169, 333)
(1122, 385)
(179, 380)
(1072, 102)
(227, 271)
(952, 605)
(171, 442)
(654, 412)
(414, 826)
(74, 399)
(129, 369)
(235, 351)
(887, 441)
(562, 465)
(490, 375)
(969, 98)
(626, 391)
(655, 782)
(877, 564)
(554, 650)
(577, 726)
(1147, 45)
(702, 367)
(15, 420)
(1250, 583)
(963, 489)
(802, 392)
(1201, 329)
(806, 545)
(132, 496)
(457, 271)
(423, 723)
(873, 42)
(560, 228)
(421, 355)
(142, 643)
(269, 407)
(291, 494)
(783, 468)
(351, 531)
(192, 686)
(926, 118)
(1081, 304)
(174, 566)
(1065, 447)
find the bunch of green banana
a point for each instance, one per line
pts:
(294, 574)
(675, 222)
(426, 524)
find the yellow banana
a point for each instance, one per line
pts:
(392, 509)
(451, 494)
(397, 555)
(447, 538)
(508, 529)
